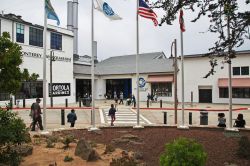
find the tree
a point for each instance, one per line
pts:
(10, 60)
(29, 78)
(224, 15)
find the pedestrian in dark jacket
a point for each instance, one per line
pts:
(72, 118)
(240, 122)
(36, 115)
(112, 111)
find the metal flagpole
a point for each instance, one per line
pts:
(44, 66)
(137, 67)
(92, 70)
(182, 83)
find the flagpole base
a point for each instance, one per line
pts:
(183, 127)
(138, 127)
(93, 129)
(232, 129)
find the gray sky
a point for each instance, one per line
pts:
(117, 38)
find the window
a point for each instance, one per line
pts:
(236, 92)
(30, 90)
(245, 70)
(162, 89)
(36, 37)
(19, 33)
(56, 41)
(236, 70)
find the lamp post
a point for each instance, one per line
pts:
(52, 58)
(175, 78)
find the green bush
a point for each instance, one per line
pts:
(68, 158)
(13, 133)
(244, 148)
(183, 152)
(67, 140)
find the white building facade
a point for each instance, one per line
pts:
(214, 89)
(30, 38)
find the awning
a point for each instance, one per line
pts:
(160, 78)
(236, 82)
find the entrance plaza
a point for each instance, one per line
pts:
(126, 115)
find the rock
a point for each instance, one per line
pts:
(24, 150)
(53, 164)
(85, 151)
(130, 137)
(138, 156)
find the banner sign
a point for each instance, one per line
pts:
(60, 89)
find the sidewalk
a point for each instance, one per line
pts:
(154, 113)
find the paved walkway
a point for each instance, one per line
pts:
(126, 115)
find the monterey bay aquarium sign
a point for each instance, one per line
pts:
(38, 55)
(60, 89)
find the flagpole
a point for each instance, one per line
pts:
(137, 68)
(182, 82)
(92, 71)
(44, 67)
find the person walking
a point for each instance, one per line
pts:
(115, 97)
(72, 118)
(240, 122)
(121, 98)
(112, 111)
(36, 115)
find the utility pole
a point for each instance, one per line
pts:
(175, 78)
(52, 58)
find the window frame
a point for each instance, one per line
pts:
(236, 69)
(55, 41)
(35, 37)
(20, 29)
(247, 71)
(162, 89)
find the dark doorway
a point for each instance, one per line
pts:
(83, 88)
(118, 85)
(205, 95)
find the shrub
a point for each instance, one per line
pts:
(244, 148)
(67, 140)
(109, 148)
(13, 132)
(68, 158)
(183, 152)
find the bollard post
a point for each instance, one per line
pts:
(134, 104)
(190, 118)
(66, 102)
(23, 103)
(160, 103)
(62, 117)
(80, 102)
(147, 103)
(165, 118)
(11, 103)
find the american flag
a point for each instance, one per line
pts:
(146, 12)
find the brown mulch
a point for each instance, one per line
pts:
(220, 148)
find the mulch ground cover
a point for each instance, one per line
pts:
(220, 146)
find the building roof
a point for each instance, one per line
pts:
(148, 63)
(243, 52)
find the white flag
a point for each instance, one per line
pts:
(106, 10)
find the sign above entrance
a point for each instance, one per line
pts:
(142, 82)
(38, 55)
(60, 89)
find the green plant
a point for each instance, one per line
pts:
(67, 140)
(68, 158)
(13, 132)
(244, 148)
(109, 148)
(123, 161)
(183, 152)
(50, 144)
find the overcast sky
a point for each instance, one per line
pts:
(116, 38)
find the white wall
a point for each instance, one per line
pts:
(196, 68)
(62, 70)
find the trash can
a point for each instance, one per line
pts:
(203, 117)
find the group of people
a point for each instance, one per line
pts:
(152, 97)
(35, 114)
(239, 122)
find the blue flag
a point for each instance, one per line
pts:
(51, 14)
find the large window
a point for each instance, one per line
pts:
(36, 37)
(236, 70)
(56, 41)
(236, 92)
(162, 89)
(19, 33)
(244, 70)
(30, 90)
